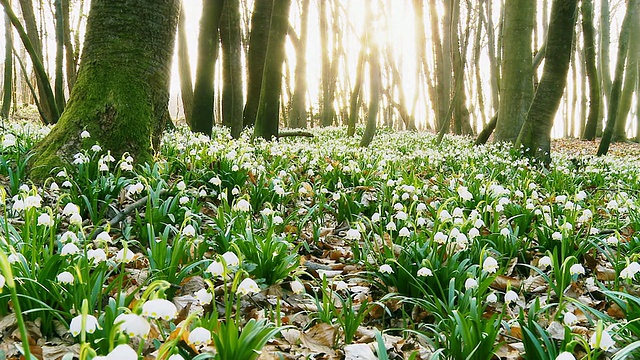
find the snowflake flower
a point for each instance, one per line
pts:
(159, 309)
(247, 286)
(385, 269)
(90, 325)
(490, 265)
(199, 336)
(133, 325)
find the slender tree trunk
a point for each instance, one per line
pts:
(374, 81)
(458, 54)
(122, 93)
(59, 80)
(630, 79)
(493, 58)
(232, 96)
(605, 41)
(260, 23)
(536, 131)
(184, 68)
(595, 95)
(354, 103)
(328, 77)
(616, 86)
(7, 88)
(442, 68)
(268, 116)
(516, 68)
(298, 115)
(71, 63)
(203, 91)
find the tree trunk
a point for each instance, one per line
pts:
(329, 65)
(442, 48)
(71, 63)
(268, 116)
(232, 96)
(298, 115)
(184, 68)
(374, 80)
(595, 95)
(536, 131)
(458, 53)
(605, 41)
(354, 102)
(260, 23)
(630, 79)
(202, 117)
(8, 68)
(59, 80)
(516, 68)
(122, 92)
(616, 86)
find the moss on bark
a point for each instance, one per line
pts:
(121, 94)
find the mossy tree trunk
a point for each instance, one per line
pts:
(202, 117)
(232, 90)
(121, 94)
(298, 115)
(258, 39)
(374, 80)
(535, 135)
(268, 115)
(7, 87)
(516, 68)
(184, 68)
(595, 95)
(630, 78)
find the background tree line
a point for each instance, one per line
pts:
(469, 68)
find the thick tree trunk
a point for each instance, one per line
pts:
(442, 48)
(329, 65)
(202, 117)
(260, 23)
(7, 88)
(298, 115)
(122, 92)
(374, 81)
(595, 95)
(516, 68)
(536, 131)
(630, 79)
(184, 68)
(616, 86)
(232, 96)
(268, 115)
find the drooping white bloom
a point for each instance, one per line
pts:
(630, 271)
(385, 269)
(124, 255)
(444, 215)
(576, 269)
(104, 236)
(471, 283)
(490, 265)
(45, 220)
(159, 309)
(70, 209)
(505, 232)
(391, 226)
(569, 318)
(69, 249)
(425, 271)
(492, 298)
(565, 356)
(215, 181)
(199, 336)
(65, 277)
(440, 237)
(174, 357)
(189, 231)
(231, 259)
(242, 205)
(545, 262)
(404, 232)
(203, 296)
(247, 286)
(75, 219)
(97, 255)
(122, 352)
(297, 287)
(464, 193)
(352, 234)
(510, 297)
(90, 325)
(133, 325)
(604, 342)
(181, 186)
(2, 282)
(215, 268)
(556, 236)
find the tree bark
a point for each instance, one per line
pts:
(184, 68)
(298, 115)
(71, 63)
(374, 81)
(260, 23)
(268, 116)
(630, 79)
(595, 95)
(59, 79)
(616, 86)
(517, 68)
(232, 91)
(329, 66)
(536, 131)
(122, 92)
(203, 91)
(354, 102)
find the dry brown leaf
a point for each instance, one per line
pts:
(320, 338)
(535, 284)
(359, 351)
(502, 282)
(615, 311)
(605, 273)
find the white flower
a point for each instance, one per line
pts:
(556, 236)
(2, 282)
(565, 356)
(54, 186)
(385, 269)
(67, 184)
(340, 285)
(581, 195)
(189, 231)
(45, 219)
(404, 232)
(492, 298)
(104, 236)
(630, 271)
(401, 215)
(215, 181)
(576, 269)
(203, 296)
(174, 357)
(215, 268)
(69, 249)
(267, 212)
(85, 134)
(68, 236)
(159, 309)
(181, 186)
(505, 232)
(425, 271)
(135, 188)
(444, 215)
(604, 342)
(612, 240)
(569, 318)
(277, 220)
(8, 140)
(96, 256)
(375, 217)
(545, 262)
(510, 297)
(96, 148)
(90, 325)
(122, 352)
(199, 336)
(297, 287)
(391, 226)
(70, 209)
(352, 234)
(65, 277)
(124, 255)
(464, 193)
(133, 325)
(490, 265)
(125, 166)
(231, 259)
(248, 286)
(75, 219)
(471, 283)
(242, 205)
